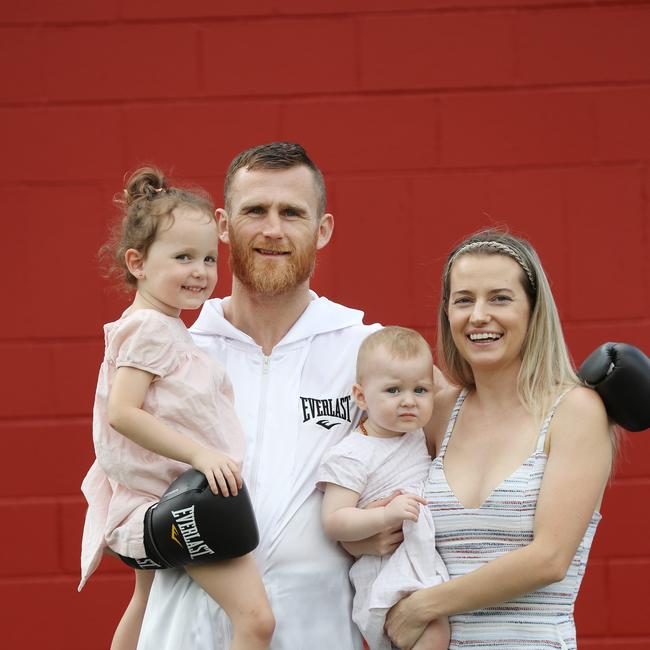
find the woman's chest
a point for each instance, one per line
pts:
(500, 520)
(475, 465)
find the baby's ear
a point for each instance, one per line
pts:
(358, 396)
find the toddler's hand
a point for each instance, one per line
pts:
(223, 473)
(403, 507)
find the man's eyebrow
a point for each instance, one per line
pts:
(253, 204)
(292, 206)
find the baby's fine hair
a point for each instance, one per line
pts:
(399, 342)
(146, 202)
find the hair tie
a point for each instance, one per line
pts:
(152, 192)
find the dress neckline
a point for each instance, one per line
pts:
(538, 450)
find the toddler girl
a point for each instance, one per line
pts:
(162, 405)
(387, 453)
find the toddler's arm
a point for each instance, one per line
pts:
(344, 522)
(125, 415)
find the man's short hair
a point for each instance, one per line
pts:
(275, 155)
(399, 342)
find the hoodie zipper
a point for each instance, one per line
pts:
(261, 417)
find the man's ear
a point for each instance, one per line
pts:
(134, 261)
(359, 397)
(222, 223)
(325, 230)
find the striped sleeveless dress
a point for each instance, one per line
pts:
(467, 538)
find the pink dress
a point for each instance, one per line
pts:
(190, 392)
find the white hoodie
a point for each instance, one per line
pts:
(293, 405)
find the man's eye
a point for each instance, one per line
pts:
(256, 210)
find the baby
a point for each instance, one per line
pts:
(387, 453)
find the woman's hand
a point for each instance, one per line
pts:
(406, 621)
(220, 471)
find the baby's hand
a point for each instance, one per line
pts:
(403, 507)
(223, 473)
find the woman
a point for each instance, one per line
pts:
(523, 456)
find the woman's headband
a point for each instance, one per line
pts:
(496, 246)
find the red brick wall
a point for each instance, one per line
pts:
(430, 118)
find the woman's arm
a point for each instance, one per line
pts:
(125, 415)
(344, 522)
(574, 480)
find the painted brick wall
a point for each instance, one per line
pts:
(430, 118)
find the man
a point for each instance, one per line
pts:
(290, 356)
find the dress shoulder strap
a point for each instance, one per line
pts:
(452, 421)
(541, 438)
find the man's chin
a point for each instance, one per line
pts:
(274, 277)
(274, 283)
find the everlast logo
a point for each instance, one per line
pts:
(176, 535)
(190, 533)
(332, 407)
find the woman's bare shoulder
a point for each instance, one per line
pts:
(581, 416)
(583, 402)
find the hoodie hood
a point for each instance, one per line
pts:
(320, 316)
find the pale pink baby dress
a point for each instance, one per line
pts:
(376, 468)
(191, 393)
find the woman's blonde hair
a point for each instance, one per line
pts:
(546, 367)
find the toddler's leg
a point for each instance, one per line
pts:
(237, 586)
(128, 629)
(435, 636)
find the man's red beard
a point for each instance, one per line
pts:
(271, 277)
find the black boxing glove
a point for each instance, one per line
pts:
(620, 374)
(191, 525)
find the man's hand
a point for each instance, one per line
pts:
(223, 473)
(405, 507)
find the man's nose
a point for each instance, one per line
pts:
(273, 226)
